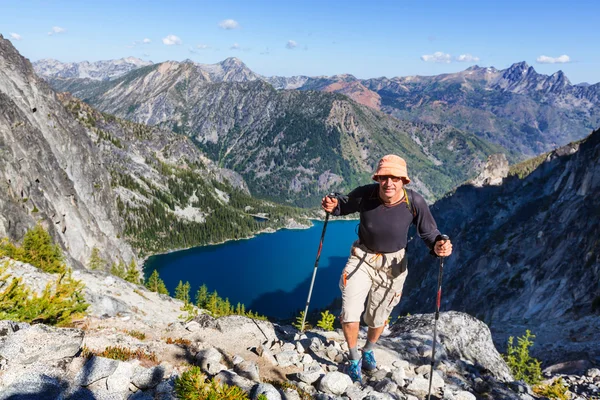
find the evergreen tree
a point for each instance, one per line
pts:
(40, 251)
(155, 284)
(212, 304)
(202, 296)
(118, 269)
(182, 292)
(96, 262)
(132, 275)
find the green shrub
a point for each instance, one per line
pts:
(137, 334)
(60, 303)
(38, 250)
(193, 385)
(121, 353)
(556, 390)
(521, 364)
(298, 323)
(326, 321)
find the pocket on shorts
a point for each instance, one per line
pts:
(398, 268)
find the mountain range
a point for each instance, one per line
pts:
(289, 145)
(526, 112)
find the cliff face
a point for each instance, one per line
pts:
(525, 253)
(95, 181)
(50, 169)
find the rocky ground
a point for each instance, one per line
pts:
(41, 362)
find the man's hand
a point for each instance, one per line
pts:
(443, 248)
(329, 204)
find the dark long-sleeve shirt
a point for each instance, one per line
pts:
(384, 228)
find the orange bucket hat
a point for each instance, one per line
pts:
(394, 166)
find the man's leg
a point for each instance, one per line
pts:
(354, 284)
(374, 333)
(383, 297)
(351, 333)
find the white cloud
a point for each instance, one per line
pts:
(235, 47)
(291, 44)
(15, 36)
(554, 60)
(56, 30)
(171, 40)
(146, 55)
(146, 41)
(229, 24)
(437, 57)
(467, 58)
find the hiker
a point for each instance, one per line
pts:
(377, 266)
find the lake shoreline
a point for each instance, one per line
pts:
(295, 226)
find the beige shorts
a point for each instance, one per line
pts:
(380, 276)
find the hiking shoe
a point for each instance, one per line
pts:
(353, 370)
(368, 361)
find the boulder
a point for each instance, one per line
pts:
(265, 389)
(33, 343)
(335, 383)
(94, 369)
(460, 336)
(33, 387)
(147, 378)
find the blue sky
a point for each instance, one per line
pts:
(366, 39)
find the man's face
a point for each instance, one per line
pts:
(390, 188)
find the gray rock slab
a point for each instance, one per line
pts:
(94, 369)
(33, 387)
(335, 383)
(386, 386)
(147, 378)
(231, 378)
(140, 396)
(309, 377)
(210, 361)
(248, 370)
(40, 342)
(265, 389)
(120, 379)
(287, 358)
(464, 395)
(418, 385)
(290, 394)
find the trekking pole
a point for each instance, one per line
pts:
(437, 316)
(334, 195)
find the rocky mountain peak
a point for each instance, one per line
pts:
(98, 70)
(518, 72)
(232, 62)
(559, 78)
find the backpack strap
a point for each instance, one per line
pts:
(409, 203)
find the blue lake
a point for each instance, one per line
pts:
(269, 273)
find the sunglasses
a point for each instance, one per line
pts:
(384, 178)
